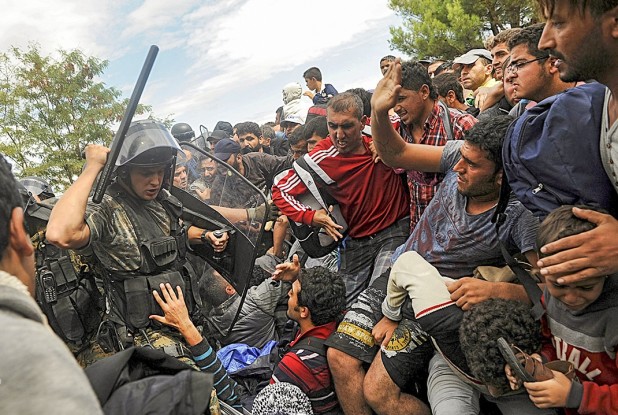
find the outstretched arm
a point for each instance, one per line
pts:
(586, 255)
(391, 147)
(288, 271)
(67, 227)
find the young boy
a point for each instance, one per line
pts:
(580, 327)
(319, 92)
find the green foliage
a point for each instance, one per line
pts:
(449, 28)
(51, 108)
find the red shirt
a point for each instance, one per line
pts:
(371, 195)
(309, 371)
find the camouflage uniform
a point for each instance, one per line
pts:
(115, 243)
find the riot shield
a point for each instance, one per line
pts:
(222, 199)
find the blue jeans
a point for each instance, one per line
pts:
(362, 260)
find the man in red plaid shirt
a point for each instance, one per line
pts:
(422, 121)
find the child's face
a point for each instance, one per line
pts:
(311, 83)
(576, 296)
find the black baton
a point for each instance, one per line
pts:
(106, 175)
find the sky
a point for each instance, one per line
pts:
(218, 60)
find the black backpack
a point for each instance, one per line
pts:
(142, 380)
(315, 241)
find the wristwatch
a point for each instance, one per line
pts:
(218, 233)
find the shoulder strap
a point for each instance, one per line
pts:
(310, 179)
(532, 289)
(446, 119)
(313, 344)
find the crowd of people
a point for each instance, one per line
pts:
(444, 244)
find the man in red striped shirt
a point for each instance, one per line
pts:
(372, 197)
(315, 301)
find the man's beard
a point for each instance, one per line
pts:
(248, 149)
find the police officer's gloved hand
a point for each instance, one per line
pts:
(268, 208)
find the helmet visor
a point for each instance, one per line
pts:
(147, 143)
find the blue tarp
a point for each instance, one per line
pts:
(237, 356)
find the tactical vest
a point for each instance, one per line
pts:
(129, 298)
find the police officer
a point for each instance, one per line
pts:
(183, 132)
(137, 240)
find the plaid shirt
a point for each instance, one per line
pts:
(423, 186)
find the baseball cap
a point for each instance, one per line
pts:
(470, 57)
(217, 136)
(225, 148)
(224, 126)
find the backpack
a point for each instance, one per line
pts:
(551, 153)
(315, 241)
(142, 380)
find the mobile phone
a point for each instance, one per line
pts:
(49, 287)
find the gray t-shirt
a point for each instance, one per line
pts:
(609, 143)
(456, 242)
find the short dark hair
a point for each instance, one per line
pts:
(317, 126)
(530, 37)
(346, 101)
(9, 200)
(297, 135)
(389, 58)
(323, 293)
(414, 75)
(268, 131)
(488, 135)
(502, 37)
(449, 82)
(561, 222)
(313, 72)
(248, 127)
(596, 7)
(365, 96)
(212, 288)
(481, 327)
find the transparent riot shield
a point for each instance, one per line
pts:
(201, 141)
(222, 199)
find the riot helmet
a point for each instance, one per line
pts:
(147, 143)
(183, 132)
(37, 187)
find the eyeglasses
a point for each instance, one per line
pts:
(516, 66)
